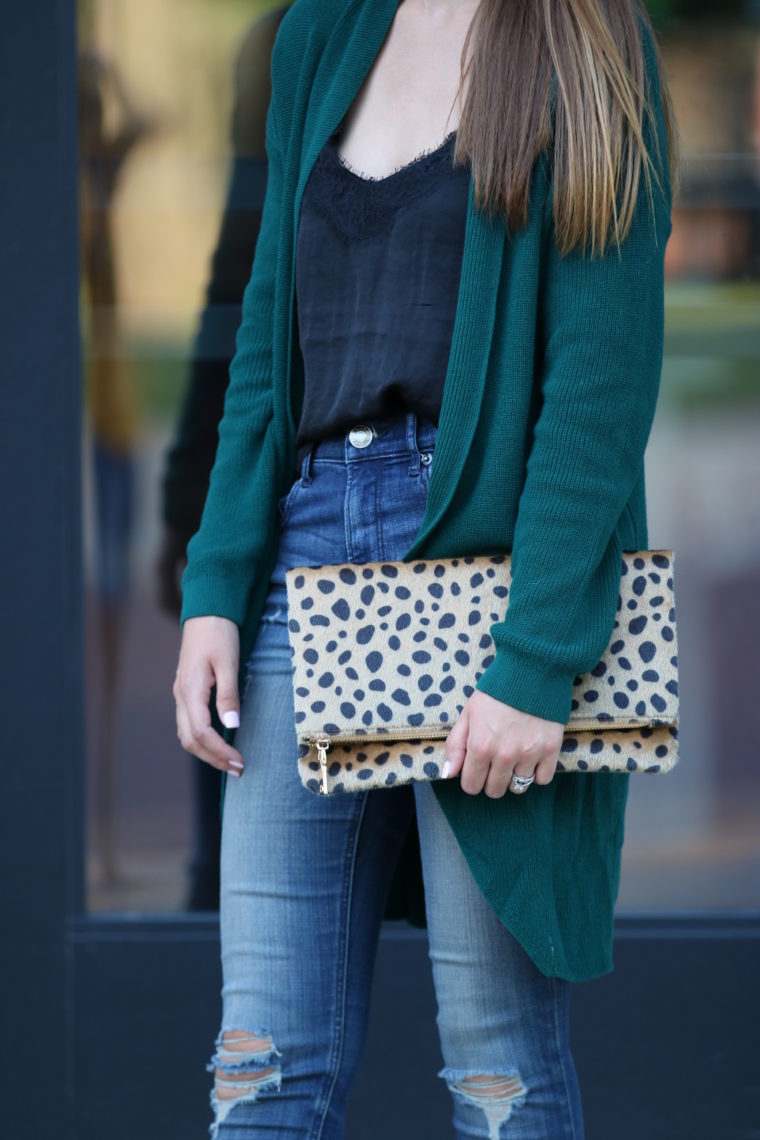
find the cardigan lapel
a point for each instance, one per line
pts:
(465, 380)
(340, 73)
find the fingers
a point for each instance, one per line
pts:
(209, 656)
(545, 770)
(501, 742)
(477, 762)
(196, 734)
(227, 699)
(456, 746)
(499, 779)
(208, 745)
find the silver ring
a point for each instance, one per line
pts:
(521, 783)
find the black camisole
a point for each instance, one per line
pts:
(378, 263)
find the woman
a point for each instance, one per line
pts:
(452, 357)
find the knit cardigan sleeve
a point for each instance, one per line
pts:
(601, 339)
(218, 574)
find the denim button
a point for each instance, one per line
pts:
(426, 457)
(361, 435)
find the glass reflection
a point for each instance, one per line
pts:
(156, 376)
(172, 101)
(692, 841)
(191, 455)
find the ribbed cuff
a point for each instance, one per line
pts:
(212, 597)
(520, 680)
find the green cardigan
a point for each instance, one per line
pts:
(548, 402)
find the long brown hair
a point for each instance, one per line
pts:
(568, 77)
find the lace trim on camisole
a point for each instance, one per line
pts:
(442, 146)
(360, 204)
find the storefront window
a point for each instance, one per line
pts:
(692, 837)
(172, 98)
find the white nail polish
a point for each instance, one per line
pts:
(236, 764)
(232, 772)
(231, 719)
(446, 769)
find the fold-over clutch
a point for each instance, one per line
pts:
(385, 654)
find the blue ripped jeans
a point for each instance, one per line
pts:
(304, 879)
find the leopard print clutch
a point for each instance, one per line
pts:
(385, 654)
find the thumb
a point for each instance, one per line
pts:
(227, 697)
(456, 745)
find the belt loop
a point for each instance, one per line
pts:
(306, 475)
(411, 443)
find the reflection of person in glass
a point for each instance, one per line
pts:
(191, 455)
(114, 427)
(451, 344)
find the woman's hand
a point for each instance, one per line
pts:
(209, 655)
(491, 740)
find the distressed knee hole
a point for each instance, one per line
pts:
(483, 1087)
(242, 1067)
(496, 1094)
(229, 1086)
(237, 1041)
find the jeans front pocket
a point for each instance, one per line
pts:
(286, 501)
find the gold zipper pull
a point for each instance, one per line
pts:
(323, 743)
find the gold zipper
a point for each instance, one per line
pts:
(410, 732)
(323, 742)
